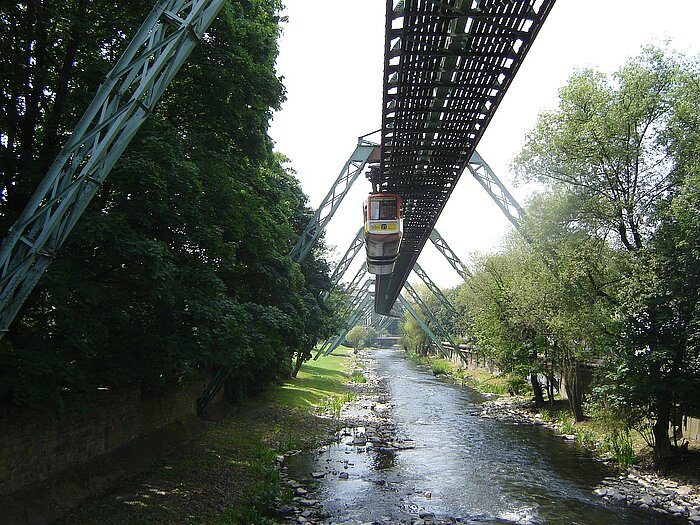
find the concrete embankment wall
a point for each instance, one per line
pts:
(34, 446)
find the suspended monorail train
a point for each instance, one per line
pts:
(382, 212)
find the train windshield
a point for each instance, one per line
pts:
(382, 210)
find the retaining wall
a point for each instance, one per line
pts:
(35, 446)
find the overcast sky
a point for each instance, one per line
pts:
(331, 58)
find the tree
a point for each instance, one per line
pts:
(622, 146)
(180, 265)
(356, 337)
(605, 143)
(656, 371)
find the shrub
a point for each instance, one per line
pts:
(585, 436)
(618, 445)
(441, 368)
(518, 386)
(357, 377)
(567, 426)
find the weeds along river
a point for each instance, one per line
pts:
(482, 471)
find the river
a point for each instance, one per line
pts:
(482, 471)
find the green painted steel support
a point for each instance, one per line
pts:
(435, 289)
(357, 296)
(348, 175)
(434, 338)
(353, 285)
(362, 308)
(429, 314)
(384, 321)
(344, 263)
(485, 176)
(123, 102)
(451, 256)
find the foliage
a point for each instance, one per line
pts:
(618, 444)
(585, 436)
(441, 367)
(605, 143)
(180, 264)
(616, 227)
(357, 377)
(357, 337)
(517, 385)
(566, 426)
(412, 337)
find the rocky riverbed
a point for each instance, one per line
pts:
(367, 431)
(367, 428)
(678, 497)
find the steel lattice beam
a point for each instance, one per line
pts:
(351, 170)
(431, 335)
(485, 176)
(450, 255)
(362, 308)
(447, 66)
(434, 289)
(424, 307)
(355, 246)
(357, 297)
(123, 102)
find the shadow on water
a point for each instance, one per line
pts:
(481, 470)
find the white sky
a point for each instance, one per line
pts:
(331, 58)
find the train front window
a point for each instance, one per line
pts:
(387, 210)
(373, 210)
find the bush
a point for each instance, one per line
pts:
(618, 445)
(357, 377)
(518, 386)
(585, 436)
(567, 426)
(441, 368)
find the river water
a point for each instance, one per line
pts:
(480, 470)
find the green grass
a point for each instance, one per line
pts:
(316, 381)
(357, 377)
(441, 367)
(485, 381)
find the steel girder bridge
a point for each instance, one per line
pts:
(447, 66)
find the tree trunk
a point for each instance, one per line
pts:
(662, 442)
(550, 388)
(537, 389)
(574, 392)
(302, 355)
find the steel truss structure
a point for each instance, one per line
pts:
(123, 102)
(417, 299)
(434, 289)
(451, 256)
(365, 152)
(431, 335)
(485, 176)
(447, 66)
(355, 246)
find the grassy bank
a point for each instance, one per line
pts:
(596, 434)
(481, 380)
(227, 476)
